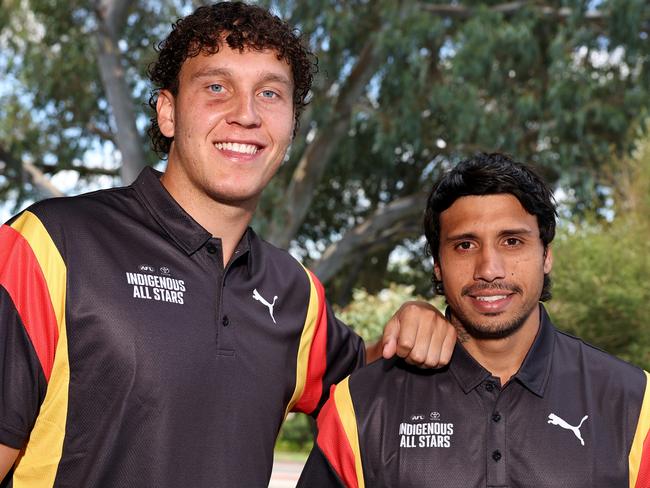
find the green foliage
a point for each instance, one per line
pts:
(600, 275)
(295, 434)
(368, 313)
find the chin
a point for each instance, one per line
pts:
(492, 327)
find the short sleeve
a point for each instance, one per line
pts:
(28, 325)
(335, 460)
(328, 352)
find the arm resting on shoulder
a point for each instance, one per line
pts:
(8, 457)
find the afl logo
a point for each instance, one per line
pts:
(147, 268)
(164, 270)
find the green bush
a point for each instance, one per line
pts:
(601, 291)
(601, 272)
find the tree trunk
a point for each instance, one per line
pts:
(111, 16)
(388, 224)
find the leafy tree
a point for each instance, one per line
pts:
(601, 290)
(405, 89)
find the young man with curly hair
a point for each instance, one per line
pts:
(521, 404)
(149, 337)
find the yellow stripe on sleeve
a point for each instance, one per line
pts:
(345, 408)
(640, 436)
(38, 465)
(302, 361)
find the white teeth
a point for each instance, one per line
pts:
(492, 298)
(237, 147)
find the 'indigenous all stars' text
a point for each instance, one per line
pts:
(159, 288)
(428, 434)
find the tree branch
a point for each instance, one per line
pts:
(36, 176)
(507, 8)
(39, 180)
(313, 162)
(387, 224)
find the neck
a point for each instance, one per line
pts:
(226, 221)
(502, 357)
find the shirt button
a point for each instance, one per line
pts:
(211, 248)
(496, 417)
(225, 321)
(496, 455)
(489, 386)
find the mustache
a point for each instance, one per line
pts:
(494, 286)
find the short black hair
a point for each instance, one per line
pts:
(241, 27)
(491, 174)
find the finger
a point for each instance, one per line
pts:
(389, 337)
(407, 339)
(448, 346)
(434, 352)
(424, 340)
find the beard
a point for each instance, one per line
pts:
(499, 330)
(493, 330)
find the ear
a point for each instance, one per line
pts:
(165, 110)
(436, 271)
(548, 260)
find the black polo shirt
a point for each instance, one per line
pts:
(130, 357)
(572, 417)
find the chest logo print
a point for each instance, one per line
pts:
(555, 420)
(261, 299)
(422, 431)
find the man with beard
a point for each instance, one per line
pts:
(521, 404)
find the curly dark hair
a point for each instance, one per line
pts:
(491, 174)
(240, 26)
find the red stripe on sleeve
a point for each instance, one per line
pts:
(334, 443)
(643, 479)
(317, 356)
(22, 277)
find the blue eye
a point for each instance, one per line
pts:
(216, 88)
(269, 94)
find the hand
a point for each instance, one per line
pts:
(419, 333)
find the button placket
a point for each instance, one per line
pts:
(496, 434)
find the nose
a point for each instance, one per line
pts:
(490, 265)
(244, 111)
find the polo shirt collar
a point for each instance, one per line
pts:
(533, 373)
(468, 372)
(536, 368)
(186, 232)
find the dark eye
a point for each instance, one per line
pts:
(512, 241)
(464, 246)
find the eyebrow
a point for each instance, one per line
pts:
(505, 232)
(267, 76)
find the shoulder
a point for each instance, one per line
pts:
(576, 355)
(80, 207)
(389, 381)
(280, 264)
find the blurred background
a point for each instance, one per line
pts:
(405, 89)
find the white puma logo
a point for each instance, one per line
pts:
(555, 420)
(260, 298)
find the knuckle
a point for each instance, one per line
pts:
(417, 357)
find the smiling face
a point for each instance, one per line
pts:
(492, 264)
(231, 123)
